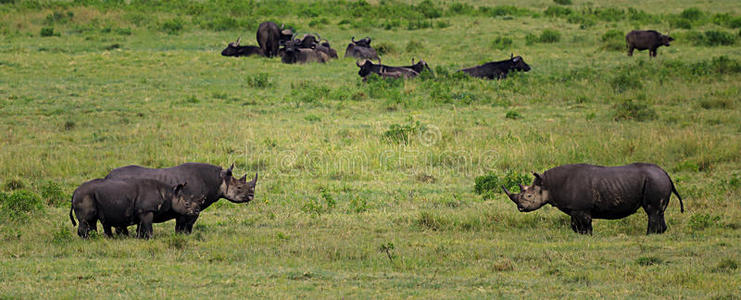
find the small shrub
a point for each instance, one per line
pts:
(428, 220)
(20, 204)
(726, 265)
(625, 81)
(562, 2)
(442, 24)
(701, 221)
(718, 38)
(490, 184)
(512, 114)
(192, 99)
(692, 14)
(414, 46)
(629, 110)
(418, 24)
(384, 48)
(173, 26)
(681, 23)
(176, 241)
(549, 36)
(62, 235)
(48, 31)
(69, 125)
(53, 194)
(613, 40)
(428, 9)
(13, 184)
(649, 260)
(359, 205)
(557, 11)
(259, 81)
(457, 8)
(312, 118)
(401, 133)
(501, 43)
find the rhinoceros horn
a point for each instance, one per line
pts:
(511, 196)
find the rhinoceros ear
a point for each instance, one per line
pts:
(538, 179)
(179, 188)
(227, 173)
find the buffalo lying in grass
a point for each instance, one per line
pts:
(361, 49)
(368, 67)
(587, 192)
(234, 49)
(498, 69)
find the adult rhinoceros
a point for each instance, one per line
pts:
(587, 192)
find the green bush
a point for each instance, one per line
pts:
(692, 14)
(20, 204)
(557, 11)
(717, 38)
(547, 36)
(259, 81)
(173, 26)
(428, 9)
(681, 23)
(402, 133)
(384, 48)
(625, 81)
(562, 2)
(629, 110)
(13, 184)
(414, 46)
(501, 43)
(48, 31)
(490, 184)
(512, 114)
(649, 260)
(701, 221)
(613, 40)
(52, 193)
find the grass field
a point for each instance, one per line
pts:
(367, 189)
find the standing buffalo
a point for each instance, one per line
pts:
(120, 203)
(234, 49)
(587, 192)
(361, 50)
(270, 37)
(293, 54)
(498, 69)
(209, 181)
(367, 68)
(646, 39)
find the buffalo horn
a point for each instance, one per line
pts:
(254, 180)
(521, 188)
(237, 42)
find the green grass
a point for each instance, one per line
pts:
(369, 189)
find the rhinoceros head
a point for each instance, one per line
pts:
(530, 197)
(237, 190)
(185, 204)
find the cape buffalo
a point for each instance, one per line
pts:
(270, 37)
(587, 192)
(234, 49)
(367, 67)
(309, 41)
(361, 50)
(324, 47)
(120, 203)
(498, 69)
(419, 67)
(292, 54)
(203, 179)
(646, 39)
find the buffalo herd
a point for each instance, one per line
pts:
(135, 195)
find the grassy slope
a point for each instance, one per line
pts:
(71, 110)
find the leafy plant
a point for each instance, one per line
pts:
(401, 133)
(19, 205)
(630, 110)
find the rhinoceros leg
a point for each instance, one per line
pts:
(144, 230)
(107, 230)
(581, 222)
(656, 223)
(123, 231)
(184, 224)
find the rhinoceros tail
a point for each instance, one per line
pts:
(71, 218)
(681, 205)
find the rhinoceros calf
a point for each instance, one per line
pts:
(587, 192)
(118, 203)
